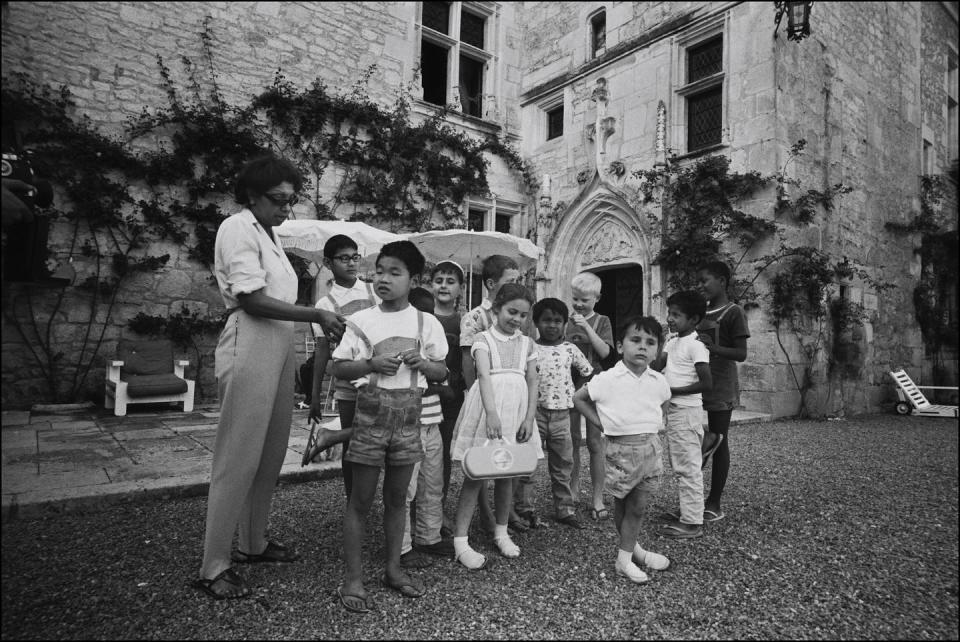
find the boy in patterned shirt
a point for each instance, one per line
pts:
(554, 401)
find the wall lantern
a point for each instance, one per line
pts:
(798, 19)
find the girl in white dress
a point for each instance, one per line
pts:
(501, 404)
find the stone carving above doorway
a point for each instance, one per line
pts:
(610, 242)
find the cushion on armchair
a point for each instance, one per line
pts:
(146, 357)
(153, 385)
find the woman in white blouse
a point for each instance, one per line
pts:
(255, 363)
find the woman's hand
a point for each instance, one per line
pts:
(494, 429)
(525, 431)
(332, 324)
(385, 364)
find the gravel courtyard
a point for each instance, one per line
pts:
(834, 529)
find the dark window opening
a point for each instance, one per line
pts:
(436, 16)
(705, 59)
(502, 223)
(555, 123)
(475, 220)
(598, 33)
(471, 86)
(471, 29)
(433, 72)
(705, 119)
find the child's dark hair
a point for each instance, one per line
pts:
(689, 302)
(718, 269)
(336, 243)
(647, 324)
(554, 305)
(447, 267)
(512, 292)
(406, 252)
(264, 173)
(495, 265)
(422, 299)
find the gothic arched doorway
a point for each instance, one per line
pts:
(622, 291)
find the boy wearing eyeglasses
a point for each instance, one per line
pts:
(347, 295)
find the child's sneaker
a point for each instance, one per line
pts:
(653, 561)
(632, 572)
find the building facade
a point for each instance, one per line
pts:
(589, 92)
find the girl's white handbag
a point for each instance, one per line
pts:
(499, 460)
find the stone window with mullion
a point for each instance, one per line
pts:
(456, 43)
(702, 93)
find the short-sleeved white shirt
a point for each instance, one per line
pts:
(628, 404)
(374, 327)
(683, 353)
(348, 300)
(247, 258)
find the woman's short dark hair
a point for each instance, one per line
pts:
(263, 173)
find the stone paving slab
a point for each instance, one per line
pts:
(88, 458)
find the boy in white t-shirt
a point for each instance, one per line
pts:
(397, 348)
(687, 370)
(628, 402)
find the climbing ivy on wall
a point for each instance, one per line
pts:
(122, 193)
(703, 221)
(934, 297)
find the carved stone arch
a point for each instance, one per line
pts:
(599, 230)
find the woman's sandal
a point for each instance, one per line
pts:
(235, 587)
(274, 552)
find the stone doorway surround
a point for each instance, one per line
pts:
(599, 231)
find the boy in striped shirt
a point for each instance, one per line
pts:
(426, 483)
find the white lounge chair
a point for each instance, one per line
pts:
(912, 400)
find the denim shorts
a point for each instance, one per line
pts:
(633, 461)
(386, 428)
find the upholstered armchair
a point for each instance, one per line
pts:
(145, 372)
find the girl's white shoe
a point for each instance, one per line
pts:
(472, 559)
(507, 547)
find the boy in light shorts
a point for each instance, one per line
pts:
(628, 403)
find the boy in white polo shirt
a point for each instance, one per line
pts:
(628, 402)
(687, 370)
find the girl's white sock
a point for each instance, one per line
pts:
(624, 557)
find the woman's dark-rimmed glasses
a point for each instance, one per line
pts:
(293, 199)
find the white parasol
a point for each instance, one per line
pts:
(469, 248)
(306, 238)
